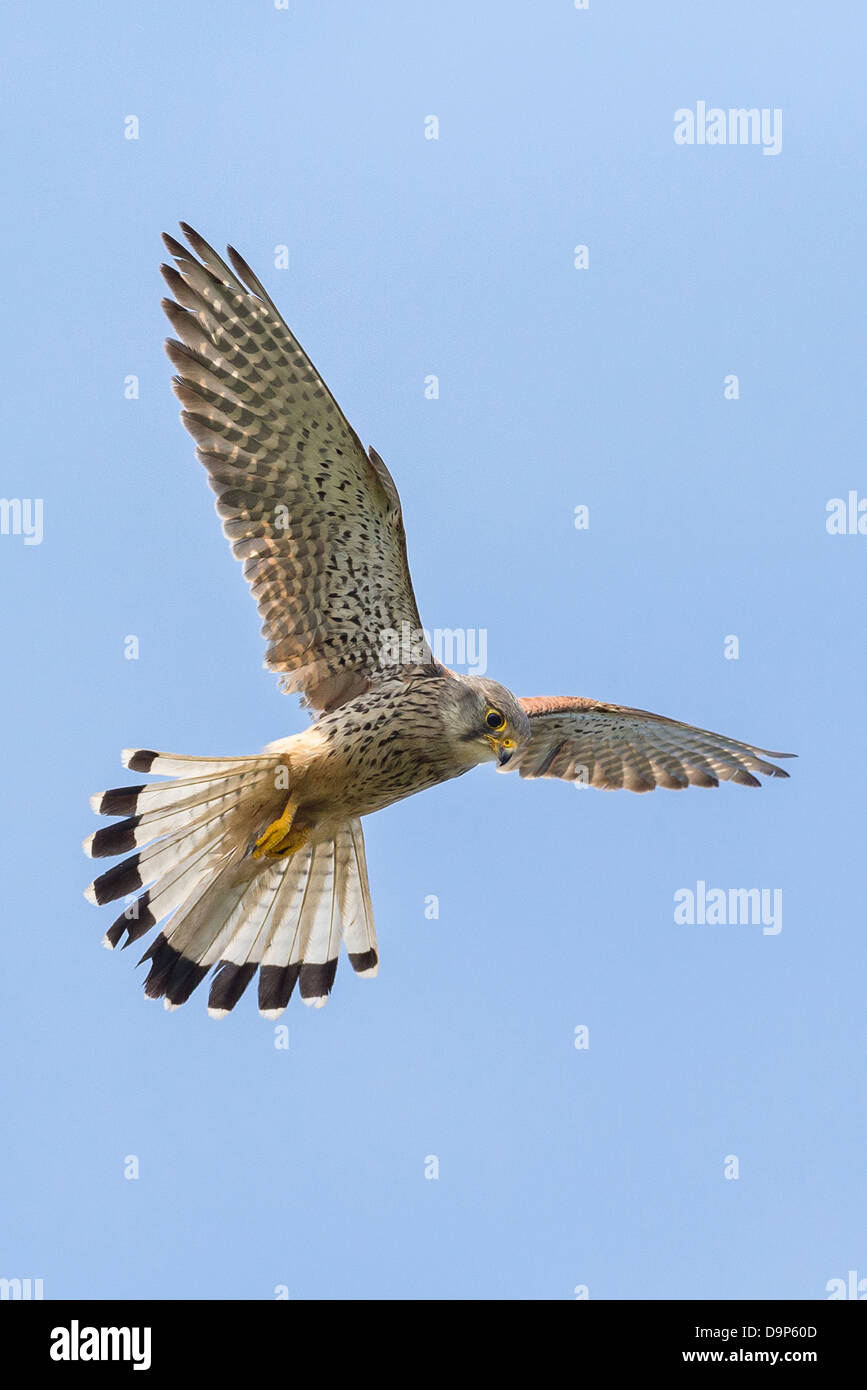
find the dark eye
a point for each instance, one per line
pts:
(495, 720)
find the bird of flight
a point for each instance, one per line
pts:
(257, 863)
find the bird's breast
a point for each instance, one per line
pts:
(374, 751)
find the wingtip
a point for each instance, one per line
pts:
(237, 260)
(200, 247)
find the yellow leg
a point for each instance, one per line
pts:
(280, 840)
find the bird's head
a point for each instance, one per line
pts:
(484, 719)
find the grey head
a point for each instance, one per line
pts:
(483, 720)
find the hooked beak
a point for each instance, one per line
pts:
(503, 749)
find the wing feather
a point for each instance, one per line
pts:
(315, 519)
(612, 746)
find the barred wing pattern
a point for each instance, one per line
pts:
(316, 521)
(613, 746)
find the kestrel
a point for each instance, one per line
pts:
(257, 863)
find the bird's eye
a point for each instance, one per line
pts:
(495, 721)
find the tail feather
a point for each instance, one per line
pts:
(183, 765)
(319, 928)
(283, 955)
(282, 947)
(177, 794)
(241, 958)
(197, 936)
(155, 903)
(226, 911)
(209, 915)
(138, 830)
(356, 908)
(157, 859)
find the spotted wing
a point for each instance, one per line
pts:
(612, 746)
(315, 520)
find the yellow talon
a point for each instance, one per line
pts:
(291, 844)
(280, 840)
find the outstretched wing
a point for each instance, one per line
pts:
(612, 746)
(315, 520)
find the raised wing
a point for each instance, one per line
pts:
(315, 520)
(612, 746)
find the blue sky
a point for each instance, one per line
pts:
(304, 1168)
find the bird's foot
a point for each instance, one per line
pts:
(282, 838)
(295, 840)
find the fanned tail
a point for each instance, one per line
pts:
(192, 864)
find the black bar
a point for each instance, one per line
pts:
(57, 1337)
